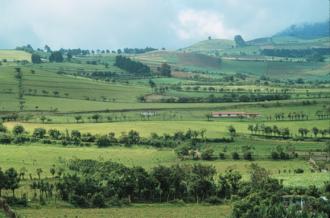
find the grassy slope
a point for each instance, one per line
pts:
(14, 55)
(210, 45)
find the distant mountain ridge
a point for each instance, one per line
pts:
(307, 30)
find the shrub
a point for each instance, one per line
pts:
(5, 138)
(79, 201)
(214, 200)
(54, 134)
(98, 200)
(299, 170)
(247, 155)
(182, 151)
(222, 156)
(178, 202)
(275, 155)
(18, 129)
(20, 139)
(284, 156)
(235, 155)
(3, 128)
(207, 154)
(39, 133)
(103, 141)
(47, 141)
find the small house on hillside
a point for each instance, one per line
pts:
(234, 115)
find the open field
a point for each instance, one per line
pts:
(213, 129)
(12, 55)
(52, 95)
(139, 211)
(44, 156)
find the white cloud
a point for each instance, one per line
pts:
(139, 23)
(197, 24)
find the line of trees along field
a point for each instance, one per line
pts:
(264, 130)
(187, 145)
(94, 184)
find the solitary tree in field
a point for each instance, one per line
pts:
(56, 93)
(251, 128)
(315, 131)
(18, 129)
(52, 170)
(39, 172)
(152, 84)
(12, 180)
(232, 131)
(165, 69)
(303, 132)
(208, 117)
(78, 118)
(22, 173)
(43, 119)
(96, 117)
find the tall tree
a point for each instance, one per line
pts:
(35, 58)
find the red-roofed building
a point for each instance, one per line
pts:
(234, 115)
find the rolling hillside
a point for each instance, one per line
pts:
(14, 55)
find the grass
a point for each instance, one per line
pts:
(153, 210)
(118, 98)
(214, 129)
(14, 55)
(2, 215)
(44, 156)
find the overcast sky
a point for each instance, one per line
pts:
(139, 23)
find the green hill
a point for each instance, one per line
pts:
(210, 45)
(180, 60)
(224, 47)
(14, 55)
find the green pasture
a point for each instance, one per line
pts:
(180, 114)
(44, 156)
(134, 211)
(215, 129)
(14, 55)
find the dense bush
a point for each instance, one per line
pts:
(298, 171)
(207, 154)
(5, 138)
(248, 155)
(222, 156)
(235, 156)
(214, 200)
(103, 141)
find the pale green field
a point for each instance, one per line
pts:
(215, 129)
(12, 55)
(44, 156)
(135, 211)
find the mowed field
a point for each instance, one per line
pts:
(135, 211)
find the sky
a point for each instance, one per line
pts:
(112, 24)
